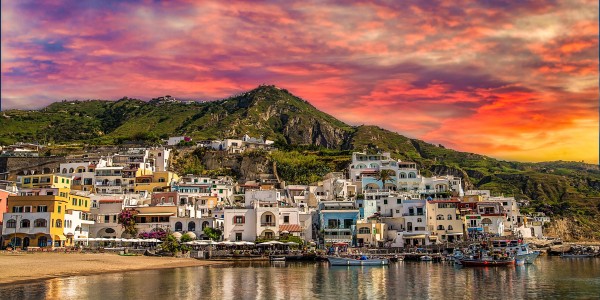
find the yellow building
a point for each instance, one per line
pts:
(155, 182)
(45, 181)
(46, 217)
(371, 233)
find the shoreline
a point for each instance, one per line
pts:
(25, 268)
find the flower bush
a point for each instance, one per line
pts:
(127, 220)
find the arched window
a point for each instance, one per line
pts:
(412, 175)
(440, 227)
(15, 241)
(59, 223)
(40, 223)
(486, 222)
(419, 220)
(161, 179)
(449, 217)
(364, 230)
(71, 170)
(360, 166)
(373, 165)
(402, 175)
(11, 223)
(64, 171)
(182, 201)
(192, 226)
(439, 217)
(204, 224)
(25, 223)
(450, 227)
(178, 226)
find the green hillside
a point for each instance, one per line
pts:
(322, 143)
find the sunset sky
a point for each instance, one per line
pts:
(515, 80)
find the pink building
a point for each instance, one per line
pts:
(4, 202)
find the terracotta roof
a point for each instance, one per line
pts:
(290, 228)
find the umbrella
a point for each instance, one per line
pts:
(276, 243)
(292, 243)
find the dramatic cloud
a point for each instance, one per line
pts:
(510, 79)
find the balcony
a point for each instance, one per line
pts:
(267, 224)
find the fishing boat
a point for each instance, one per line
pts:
(466, 262)
(516, 248)
(362, 261)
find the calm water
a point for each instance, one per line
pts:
(549, 278)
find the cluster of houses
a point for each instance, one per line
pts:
(85, 196)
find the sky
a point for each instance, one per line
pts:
(515, 80)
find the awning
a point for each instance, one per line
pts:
(156, 214)
(60, 237)
(419, 236)
(433, 237)
(290, 228)
(455, 233)
(77, 178)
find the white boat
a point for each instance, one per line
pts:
(277, 258)
(520, 250)
(363, 261)
(426, 258)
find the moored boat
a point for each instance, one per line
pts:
(520, 250)
(487, 262)
(363, 261)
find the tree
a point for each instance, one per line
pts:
(384, 175)
(212, 233)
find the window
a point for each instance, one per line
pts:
(106, 219)
(36, 180)
(86, 203)
(192, 226)
(42, 208)
(26, 180)
(17, 209)
(385, 201)
(450, 227)
(449, 217)
(439, 217)
(398, 201)
(286, 219)
(178, 226)
(11, 223)
(25, 223)
(419, 220)
(364, 230)
(74, 202)
(440, 227)
(238, 220)
(238, 236)
(59, 223)
(40, 223)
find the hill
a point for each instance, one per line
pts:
(325, 143)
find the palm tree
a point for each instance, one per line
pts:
(384, 175)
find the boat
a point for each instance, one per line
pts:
(362, 261)
(514, 247)
(467, 262)
(426, 258)
(277, 258)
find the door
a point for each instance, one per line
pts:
(25, 243)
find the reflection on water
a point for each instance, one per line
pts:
(551, 278)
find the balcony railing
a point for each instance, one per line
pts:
(266, 224)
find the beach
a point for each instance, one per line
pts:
(24, 267)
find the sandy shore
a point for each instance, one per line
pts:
(25, 267)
